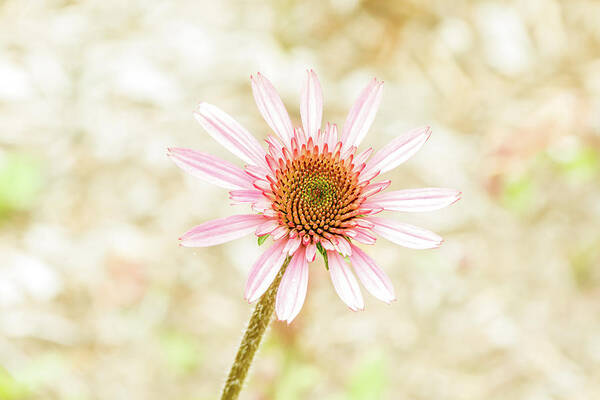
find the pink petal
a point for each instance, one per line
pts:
(275, 147)
(311, 104)
(263, 205)
(346, 153)
(292, 245)
(300, 136)
(327, 245)
(257, 172)
(369, 210)
(279, 232)
(404, 234)
(292, 289)
(361, 235)
(344, 282)
(230, 134)
(311, 252)
(271, 107)
(366, 176)
(262, 184)
(305, 240)
(270, 212)
(362, 114)
(361, 158)
(264, 271)
(246, 196)
(343, 246)
(397, 151)
(210, 169)
(267, 227)
(320, 138)
(329, 137)
(221, 230)
(372, 277)
(363, 223)
(414, 200)
(374, 188)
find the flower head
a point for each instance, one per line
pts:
(311, 190)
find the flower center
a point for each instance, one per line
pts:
(316, 193)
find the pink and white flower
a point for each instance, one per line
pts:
(311, 191)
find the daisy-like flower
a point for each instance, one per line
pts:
(311, 192)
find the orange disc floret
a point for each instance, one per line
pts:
(317, 194)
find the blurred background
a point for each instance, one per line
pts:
(97, 301)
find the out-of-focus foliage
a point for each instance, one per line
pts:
(97, 301)
(181, 352)
(20, 181)
(10, 389)
(369, 382)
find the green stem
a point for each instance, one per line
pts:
(256, 328)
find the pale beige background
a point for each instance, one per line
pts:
(97, 301)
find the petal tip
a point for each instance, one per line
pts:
(356, 308)
(200, 106)
(428, 132)
(458, 197)
(199, 113)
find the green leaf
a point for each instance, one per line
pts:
(324, 254)
(261, 239)
(321, 249)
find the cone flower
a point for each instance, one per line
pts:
(311, 192)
